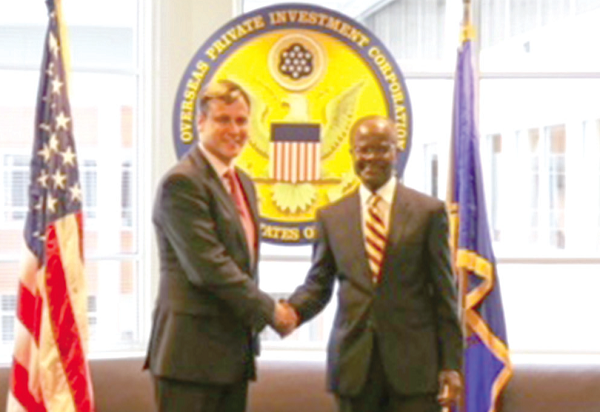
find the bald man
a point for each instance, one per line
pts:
(396, 343)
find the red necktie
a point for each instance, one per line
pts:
(236, 192)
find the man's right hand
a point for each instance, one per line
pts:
(286, 319)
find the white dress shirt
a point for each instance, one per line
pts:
(218, 165)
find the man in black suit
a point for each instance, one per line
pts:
(396, 343)
(209, 308)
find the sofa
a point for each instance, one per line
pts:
(298, 386)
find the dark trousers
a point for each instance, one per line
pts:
(378, 396)
(178, 396)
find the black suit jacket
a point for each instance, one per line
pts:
(411, 315)
(209, 308)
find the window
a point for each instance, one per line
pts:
(104, 87)
(556, 142)
(15, 181)
(420, 46)
(127, 194)
(539, 36)
(539, 118)
(89, 184)
(8, 306)
(92, 317)
(536, 169)
(591, 172)
(89, 187)
(548, 307)
(538, 160)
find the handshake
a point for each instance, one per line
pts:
(286, 318)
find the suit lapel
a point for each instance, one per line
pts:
(399, 217)
(219, 191)
(214, 181)
(351, 235)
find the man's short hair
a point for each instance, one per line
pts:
(224, 90)
(362, 120)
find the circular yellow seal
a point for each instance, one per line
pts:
(310, 73)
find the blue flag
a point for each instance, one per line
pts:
(487, 366)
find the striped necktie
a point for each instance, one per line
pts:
(242, 207)
(375, 237)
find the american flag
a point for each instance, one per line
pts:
(296, 152)
(50, 370)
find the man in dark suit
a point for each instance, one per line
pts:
(396, 343)
(209, 308)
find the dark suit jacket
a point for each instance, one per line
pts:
(209, 308)
(412, 314)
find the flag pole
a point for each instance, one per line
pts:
(463, 277)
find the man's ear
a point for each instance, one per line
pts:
(201, 121)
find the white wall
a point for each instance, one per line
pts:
(175, 30)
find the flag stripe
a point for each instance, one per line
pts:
(313, 162)
(295, 161)
(25, 346)
(19, 387)
(13, 404)
(79, 219)
(28, 310)
(68, 229)
(307, 149)
(300, 162)
(286, 161)
(64, 325)
(316, 161)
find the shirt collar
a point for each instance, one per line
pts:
(386, 191)
(220, 167)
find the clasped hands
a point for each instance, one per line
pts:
(286, 318)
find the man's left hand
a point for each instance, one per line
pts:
(450, 387)
(286, 318)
